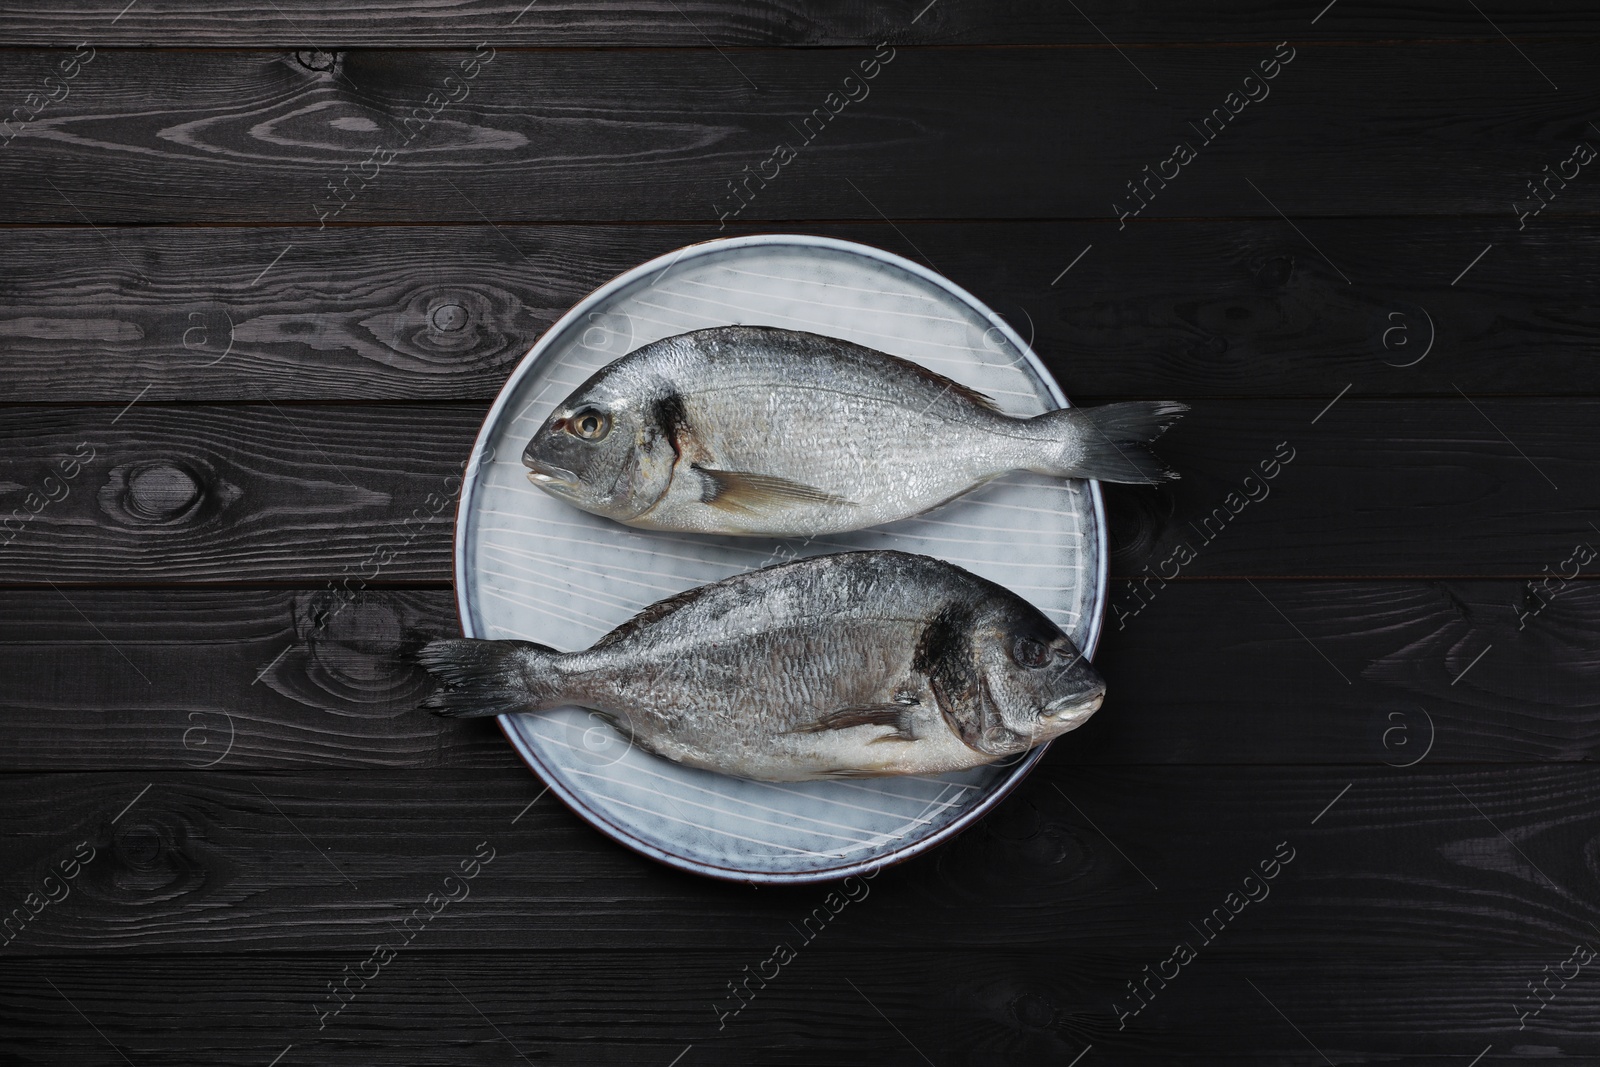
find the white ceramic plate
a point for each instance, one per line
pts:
(529, 566)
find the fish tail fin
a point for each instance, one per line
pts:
(1110, 443)
(483, 678)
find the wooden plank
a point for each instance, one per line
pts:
(646, 134)
(168, 680)
(228, 678)
(235, 494)
(1390, 487)
(312, 493)
(1038, 1005)
(1186, 308)
(642, 23)
(1081, 859)
(1311, 672)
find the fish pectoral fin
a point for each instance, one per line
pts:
(750, 492)
(897, 716)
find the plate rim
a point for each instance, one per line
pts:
(571, 798)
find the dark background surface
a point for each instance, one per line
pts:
(212, 411)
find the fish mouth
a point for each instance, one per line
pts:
(1074, 706)
(549, 476)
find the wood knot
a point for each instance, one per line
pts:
(364, 626)
(1052, 846)
(1021, 831)
(163, 493)
(1209, 346)
(1274, 272)
(1017, 821)
(140, 845)
(1138, 518)
(160, 492)
(349, 643)
(150, 858)
(481, 325)
(316, 59)
(1034, 1010)
(449, 317)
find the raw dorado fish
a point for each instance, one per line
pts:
(859, 664)
(759, 431)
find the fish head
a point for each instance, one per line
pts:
(1018, 682)
(607, 449)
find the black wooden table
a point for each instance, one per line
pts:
(265, 264)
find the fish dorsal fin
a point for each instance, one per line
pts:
(659, 610)
(746, 491)
(950, 385)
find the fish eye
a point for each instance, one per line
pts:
(589, 424)
(1029, 652)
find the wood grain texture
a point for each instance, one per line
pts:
(242, 314)
(1035, 1005)
(225, 512)
(643, 23)
(1424, 486)
(1397, 129)
(311, 493)
(228, 678)
(1188, 308)
(169, 680)
(350, 495)
(1402, 861)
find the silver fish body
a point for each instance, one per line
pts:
(758, 431)
(859, 664)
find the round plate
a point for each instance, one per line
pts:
(532, 567)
